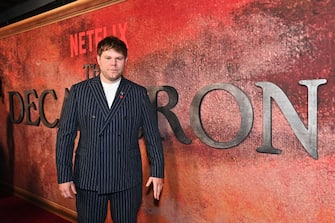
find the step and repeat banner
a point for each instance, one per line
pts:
(244, 92)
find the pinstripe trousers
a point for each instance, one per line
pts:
(92, 207)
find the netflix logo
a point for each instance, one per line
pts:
(86, 41)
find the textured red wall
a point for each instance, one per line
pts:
(188, 45)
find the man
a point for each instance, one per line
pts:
(109, 112)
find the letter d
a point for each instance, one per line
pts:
(11, 106)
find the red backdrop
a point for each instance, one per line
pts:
(188, 45)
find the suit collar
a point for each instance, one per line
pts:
(120, 96)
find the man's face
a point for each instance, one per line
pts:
(112, 64)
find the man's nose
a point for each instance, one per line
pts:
(113, 62)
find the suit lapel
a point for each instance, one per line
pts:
(99, 95)
(120, 97)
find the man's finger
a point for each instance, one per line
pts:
(157, 191)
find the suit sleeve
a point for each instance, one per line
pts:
(153, 139)
(66, 137)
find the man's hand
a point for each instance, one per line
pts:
(67, 189)
(157, 186)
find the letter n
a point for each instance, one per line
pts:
(74, 45)
(307, 137)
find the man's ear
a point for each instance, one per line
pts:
(99, 59)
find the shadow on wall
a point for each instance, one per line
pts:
(7, 158)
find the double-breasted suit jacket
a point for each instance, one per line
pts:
(107, 158)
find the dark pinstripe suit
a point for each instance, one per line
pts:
(107, 158)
